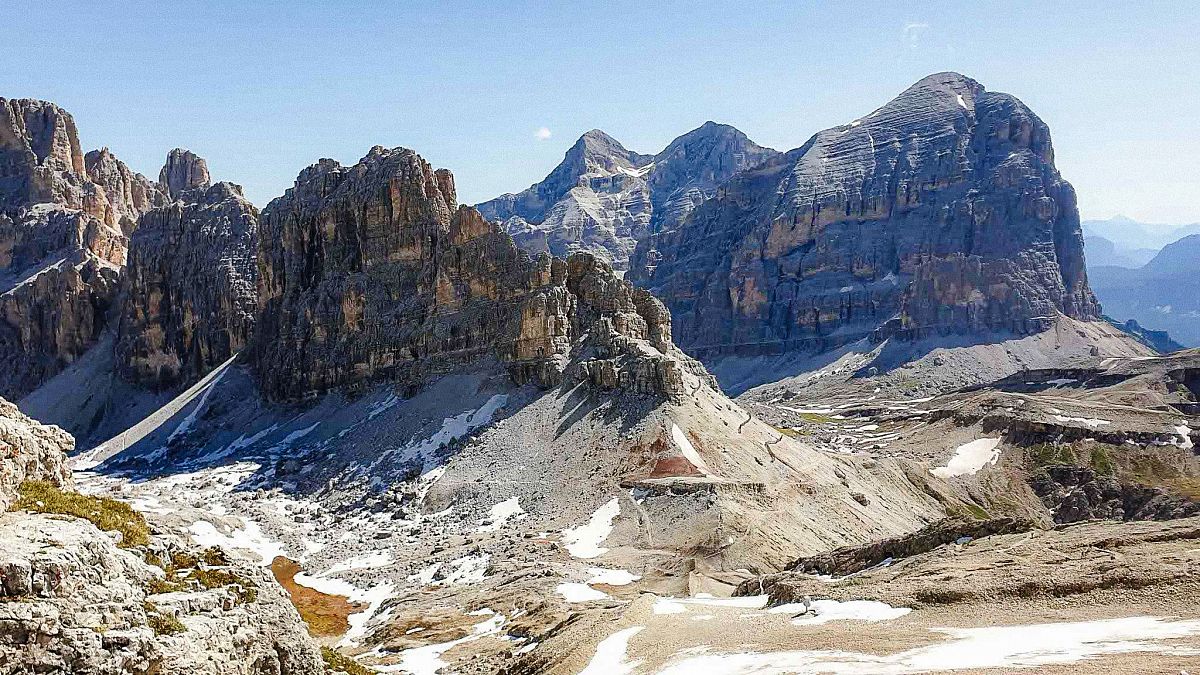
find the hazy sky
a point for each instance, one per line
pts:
(262, 89)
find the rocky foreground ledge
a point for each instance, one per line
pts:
(86, 586)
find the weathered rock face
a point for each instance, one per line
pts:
(41, 160)
(30, 451)
(372, 271)
(188, 298)
(72, 601)
(1075, 493)
(603, 198)
(129, 194)
(183, 171)
(940, 212)
(63, 225)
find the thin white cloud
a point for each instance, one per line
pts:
(542, 134)
(913, 30)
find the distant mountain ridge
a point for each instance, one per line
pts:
(603, 198)
(1163, 294)
(1127, 233)
(1102, 252)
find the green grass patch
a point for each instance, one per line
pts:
(160, 623)
(187, 571)
(1050, 454)
(109, 515)
(1103, 462)
(337, 662)
(815, 418)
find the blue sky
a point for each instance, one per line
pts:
(262, 89)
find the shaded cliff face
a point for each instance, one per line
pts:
(372, 271)
(603, 198)
(940, 212)
(188, 291)
(64, 219)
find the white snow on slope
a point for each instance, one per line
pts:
(610, 658)
(1185, 436)
(584, 541)
(249, 538)
(452, 429)
(824, 611)
(961, 102)
(367, 561)
(188, 421)
(611, 577)
(1093, 423)
(1007, 647)
(577, 592)
(374, 598)
(969, 458)
(509, 509)
(688, 450)
(427, 660)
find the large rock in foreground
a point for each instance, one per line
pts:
(30, 451)
(373, 271)
(941, 212)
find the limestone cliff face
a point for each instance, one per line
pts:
(373, 271)
(188, 291)
(940, 212)
(603, 198)
(129, 194)
(64, 220)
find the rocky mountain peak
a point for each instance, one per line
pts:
(184, 170)
(372, 271)
(193, 257)
(941, 210)
(603, 198)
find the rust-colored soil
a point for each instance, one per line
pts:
(326, 615)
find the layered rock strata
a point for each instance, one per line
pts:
(941, 212)
(64, 220)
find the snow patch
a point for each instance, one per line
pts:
(688, 450)
(576, 592)
(610, 657)
(509, 509)
(584, 541)
(969, 458)
(1091, 422)
(249, 538)
(611, 577)
(1006, 647)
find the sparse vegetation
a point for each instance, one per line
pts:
(109, 515)
(161, 623)
(815, 418)
(337, 662)
(1050, 454)
(185, 571)
(1102, 462)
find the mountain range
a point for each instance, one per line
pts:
(603, 199)
(1162, 294)
(513, 437)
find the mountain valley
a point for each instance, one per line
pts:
(851, 407)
